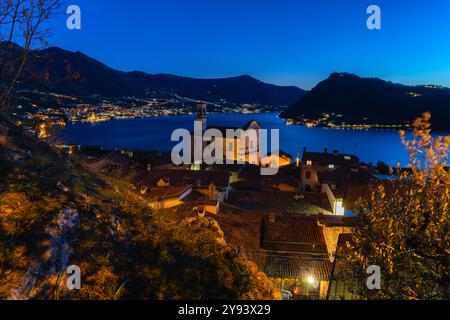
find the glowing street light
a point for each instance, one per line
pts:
(310, 280)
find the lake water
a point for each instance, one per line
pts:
(154, 134)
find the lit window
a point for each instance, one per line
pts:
(331, 166)
(339, 209)
(347, 158)
(309, 163)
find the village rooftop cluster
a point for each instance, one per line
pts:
(291, 225)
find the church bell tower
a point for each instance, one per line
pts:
(201, 114)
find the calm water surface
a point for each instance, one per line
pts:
(154, 134)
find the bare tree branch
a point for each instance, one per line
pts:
(28, 16)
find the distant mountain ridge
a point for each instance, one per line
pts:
(372, 100)
(75, 73)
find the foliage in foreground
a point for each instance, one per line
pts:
(404, 228)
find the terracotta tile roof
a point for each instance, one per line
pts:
(307, 203)
(343, 178)
(291, 265)
(252, 180)
(293, 234)
(183, 177)
(355, 193)
(162, 193)
(352, 175)
(322, 158)
(248, 196)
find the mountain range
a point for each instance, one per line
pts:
(360, 100)
(356, 100)
(74, 73)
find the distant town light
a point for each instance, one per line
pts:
(310, 280)
(43, 131)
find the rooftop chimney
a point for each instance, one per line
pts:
(325, 150)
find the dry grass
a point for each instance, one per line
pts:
(3, 141)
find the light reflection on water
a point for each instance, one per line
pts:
(154, 134)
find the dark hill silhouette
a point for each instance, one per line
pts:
(372, 100)
(74, 73)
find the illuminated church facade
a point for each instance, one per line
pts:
(244, 147)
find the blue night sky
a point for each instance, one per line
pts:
(286, 42)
